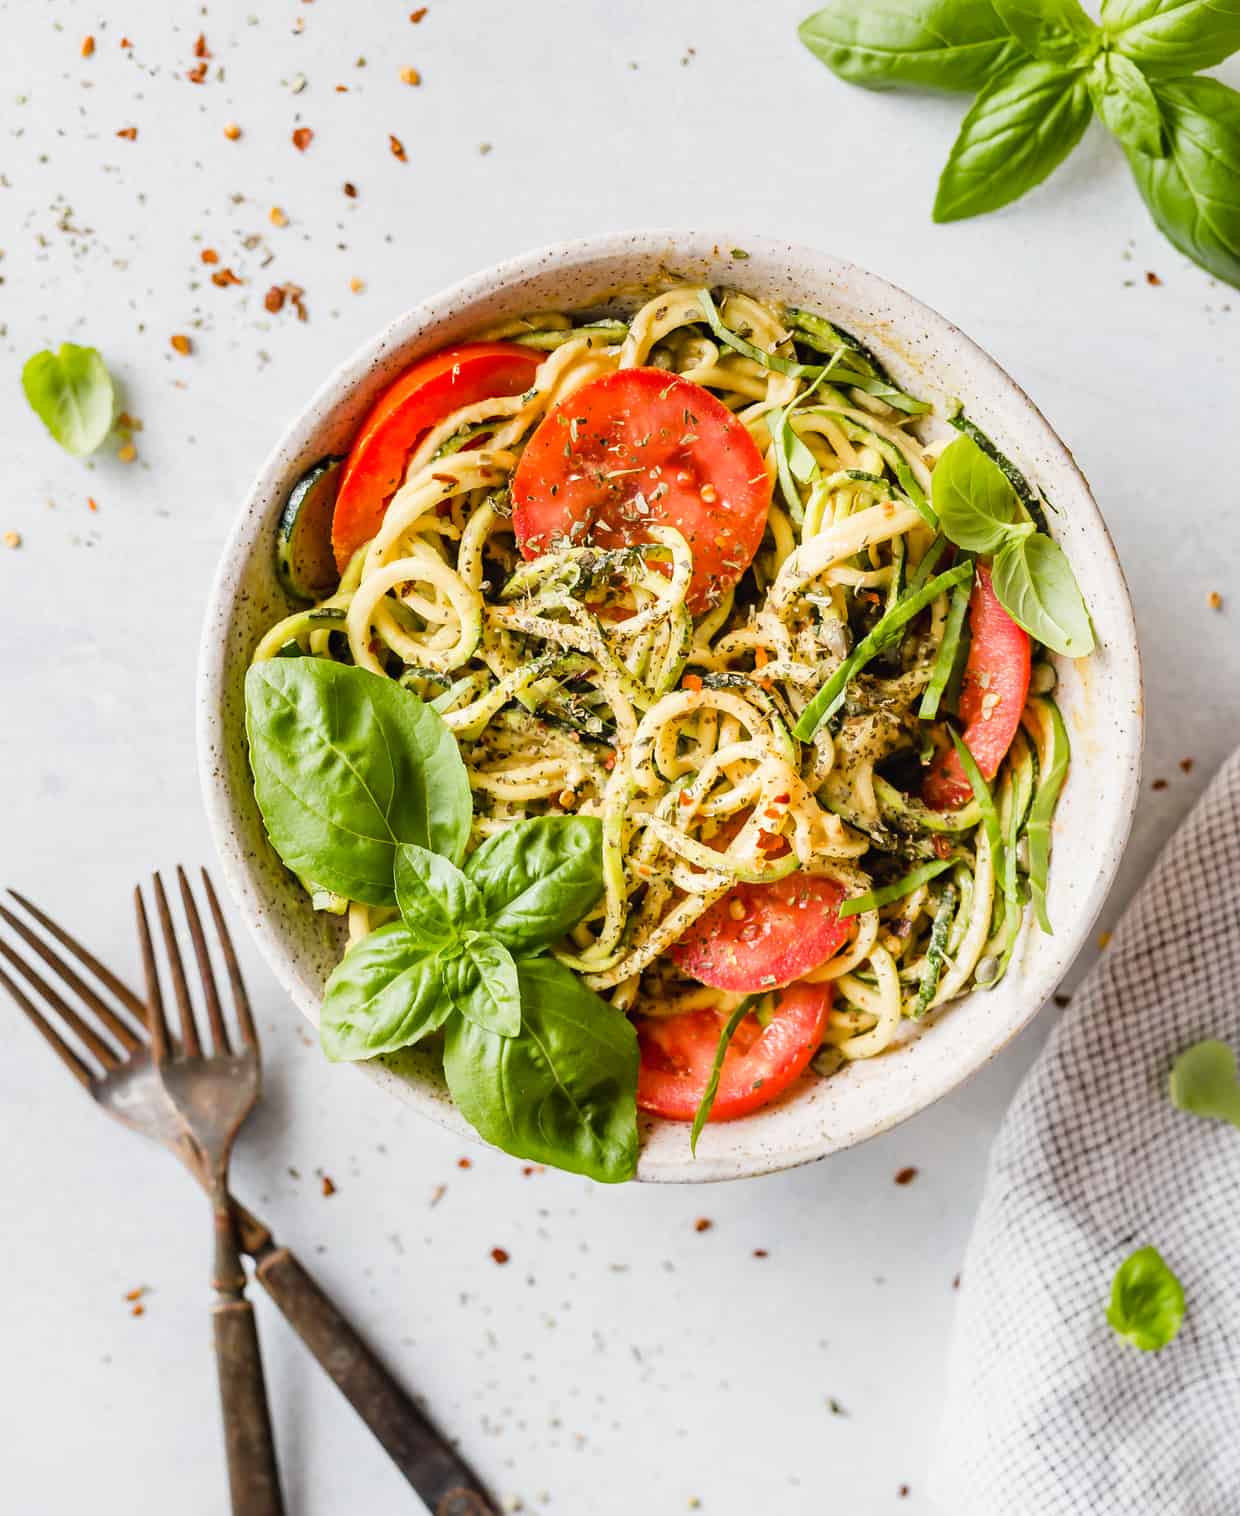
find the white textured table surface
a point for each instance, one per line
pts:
(622, 1359)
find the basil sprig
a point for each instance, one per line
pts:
(979, 509)
(72, 393)
(1042, 68)
(363, 791)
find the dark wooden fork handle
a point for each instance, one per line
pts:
(253, 1481)
(443, 1480)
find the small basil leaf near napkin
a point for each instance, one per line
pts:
(1203, 1082)
(72, 393)
(1171, 38)
(1022, 125)
(943, 45)
(562, 1091)
(348, 765)
(1147, 1301)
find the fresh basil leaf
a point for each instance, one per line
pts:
(1203, 1082)
(481, 981)
(937, 44)
(1170, 38)
(1036, 587)
(1126, 104)
(347, 765)
(1147, 1301)
(538, 878)
(563, 1090)
(72, 394)
(1193, 193)
(1057, 31)
(973, 498)
(1024, 123)
(438, 903)
(385, 993)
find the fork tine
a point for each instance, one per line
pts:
(189, 1027)
(105, 976)
(105, 1013)
(61, 1048)
(219, 1032)
(82, 1030)
(156, 1023)
(245, 1018)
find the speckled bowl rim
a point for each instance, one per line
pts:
(787, 1134)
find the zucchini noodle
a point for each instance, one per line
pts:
(582, 682)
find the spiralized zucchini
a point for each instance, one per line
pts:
(581, 682)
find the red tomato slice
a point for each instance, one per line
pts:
(992, 696)
(761, 1062)
(641, 447)
(788, 928)
(419, 399)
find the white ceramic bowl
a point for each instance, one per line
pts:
(1100, 697)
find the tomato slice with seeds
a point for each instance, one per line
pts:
(992, 696)
(761, 1062)
(642, 447)
(420, 399)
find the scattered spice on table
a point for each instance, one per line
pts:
(274, 298)
(1104, 940)
(906, 1176)
(127, 453)
(12, 539)
(835, 1407)
(464, 1163)
(91, 503)
(224, 277)
(410, 76)
(1152, 278)
(416, 16)
(198, 73)
(329, 1187)
(232, 131)
(88, 46)
(703, 1224)
(398, 148)
(1186, 764)
(500, 1255)
(137, 1310)
(302, 138)
(182, 344)
(1159, 784)
(135, 1294)
(350, 190)
(438, 1193)
(277, 217)
(903, 1492)
(1214, 600)
(128, 133)
(357, 285)
(760, 1253)
(209, 255)
(201, 50)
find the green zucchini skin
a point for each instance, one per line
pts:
(305, 564)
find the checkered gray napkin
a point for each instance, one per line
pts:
(1048, 1413)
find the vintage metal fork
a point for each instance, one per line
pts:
(113, 1063)
(213, 1092)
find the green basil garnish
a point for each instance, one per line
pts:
(1203, 1082)
(1056, 31)
(538, 878)
(940, 44)
(384, 994)
(72, 393)
(1126, 104)
(1035, 585)
(1147, 1301)
(1171, 38)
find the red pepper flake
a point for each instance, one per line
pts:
(533, 1168)
(302, 138)
(1159, 784)
(1186, 765)
(232, 131)
(416, 16)
(277, 217)
(224, 277)
(464, 1163)
(125, 42)
(410, 76)
(703, 1224)
(500, 1255)
(398, 148)
(760, 1253)
(906, 1176)
(328, 1187)
(692, 682)
(209, 255)
(902, 1492)
(942, 846)
(1214, 600)
(1152, 278)
(132, 1295)
(350, 190)
(274, 299)
(201, 50)
(137, 1310)
(198, 73)
(129, 133)
(92, 503)
(181, 344)
(88, 46)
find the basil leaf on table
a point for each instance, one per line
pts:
(72, 394)
(563, 1090)
(1056, 31)
(385, 993)
(1193, 193)
(1023, 125)
(939, 44)
(1167, 38)
(538, 878)
(976, 505)
(481, 981)
(347, 765)
(438, 903)
(1147, 1301)
(1036, 587)
(1203, 1082)
(1126, 104)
